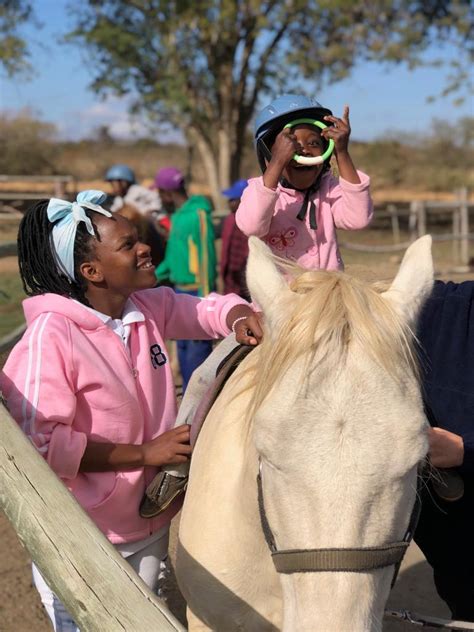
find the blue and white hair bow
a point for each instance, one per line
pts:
(66, 216)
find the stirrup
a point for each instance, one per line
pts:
(161, 492)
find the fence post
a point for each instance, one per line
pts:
(392, 210)
(99, 589)
(413, 220)
(456, 233)
(59, 188)
(421, 219)
(464, 227)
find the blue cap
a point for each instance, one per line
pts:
(234, 192)
(120, 172)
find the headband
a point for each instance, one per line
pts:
(66, 216)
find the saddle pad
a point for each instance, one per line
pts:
(224, 371)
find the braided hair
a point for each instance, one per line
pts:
(38, 268)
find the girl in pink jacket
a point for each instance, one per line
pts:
(297, 204)
(90, 381)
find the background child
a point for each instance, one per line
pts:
(125, 190)
(235, 247)
(90, 381)
(190, 256)
(296, 208)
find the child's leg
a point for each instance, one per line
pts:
(151, 564)
(60, 618)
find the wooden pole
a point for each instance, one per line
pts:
(392, 210)
(8, 249)
(413, 220)
(98, 588)
(456, 231)
(464, 226)
(421, 219)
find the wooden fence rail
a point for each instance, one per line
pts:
(98, 587)
(418, 214)
(9, 249)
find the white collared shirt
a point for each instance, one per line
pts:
(120, 326)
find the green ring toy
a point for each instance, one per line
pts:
(311, 160)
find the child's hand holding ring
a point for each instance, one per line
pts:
(339, 131)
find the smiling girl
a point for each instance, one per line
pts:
(90, 382)
(297, 207)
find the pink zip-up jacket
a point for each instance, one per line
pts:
(271, 215)
(70, 379)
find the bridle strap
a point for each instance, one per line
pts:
(360, 560)
(340, 560)
(267, 532)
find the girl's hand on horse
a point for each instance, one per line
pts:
(170, 447)
(246, 324)
(339, 131)
(446, 448)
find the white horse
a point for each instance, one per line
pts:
(329, 406)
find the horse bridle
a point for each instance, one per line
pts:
(341, 560)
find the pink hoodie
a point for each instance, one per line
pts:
(71, 379)
(271, 215)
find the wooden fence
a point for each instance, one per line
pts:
(418, 214)
(55, 185)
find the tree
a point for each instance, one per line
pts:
(202, 67)
(27, 145)
(13, 48)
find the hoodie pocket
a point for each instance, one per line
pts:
(93, 489)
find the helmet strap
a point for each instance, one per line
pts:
(264, 155)
(308, 203)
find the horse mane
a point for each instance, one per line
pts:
(333, 311)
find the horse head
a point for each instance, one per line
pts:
(337, 420)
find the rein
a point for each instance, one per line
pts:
(339, 560)
(431, 622)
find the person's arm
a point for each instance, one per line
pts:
(446, 448)
(43, 400)
(339, 132)
(186, 317)
(256, 208)
(351, 203)
(283, 150)
(169, 448)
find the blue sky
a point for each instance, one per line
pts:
(383, 99)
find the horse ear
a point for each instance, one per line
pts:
(264, 280)
(414, 280)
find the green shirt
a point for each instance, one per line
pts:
(190, 257)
